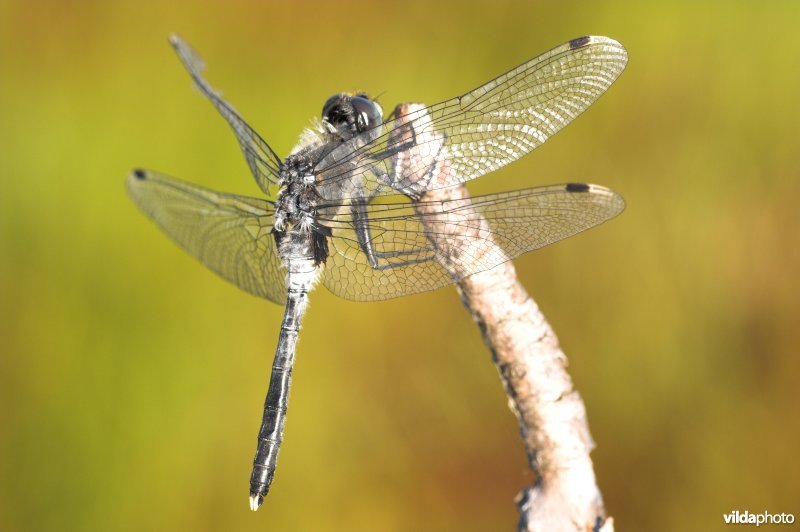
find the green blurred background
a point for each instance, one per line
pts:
(131, 378)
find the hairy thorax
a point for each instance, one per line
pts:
(297, 232)
(297, 229)
(297, 196)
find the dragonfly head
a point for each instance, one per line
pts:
(349, 115)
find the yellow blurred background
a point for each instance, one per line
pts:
(132, 379)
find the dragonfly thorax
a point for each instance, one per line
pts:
(297, 196)
(343, 117)
(296, 232)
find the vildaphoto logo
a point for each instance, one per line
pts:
(764, 518)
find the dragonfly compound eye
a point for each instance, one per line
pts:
(368, 113)
(351, 115)
(334, 101)
(339, 112)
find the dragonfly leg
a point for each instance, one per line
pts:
(396, 147)
(379, 260)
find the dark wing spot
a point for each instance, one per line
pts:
(577, 187)
(139, 174)
(580, 42)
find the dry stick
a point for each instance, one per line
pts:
(551, 414)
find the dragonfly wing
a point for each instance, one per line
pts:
(424, 245)
(480, 131)
(230, 234)
(263, 162)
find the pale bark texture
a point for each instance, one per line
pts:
(532, 367)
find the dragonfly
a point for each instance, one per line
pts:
(350, 206)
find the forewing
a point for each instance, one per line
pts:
(263, 162)
(429, 244)
(479, 132)
(230, 234)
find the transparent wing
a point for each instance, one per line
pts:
(263, 162)
(230, 234)
(483, 130)
(428, 244)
